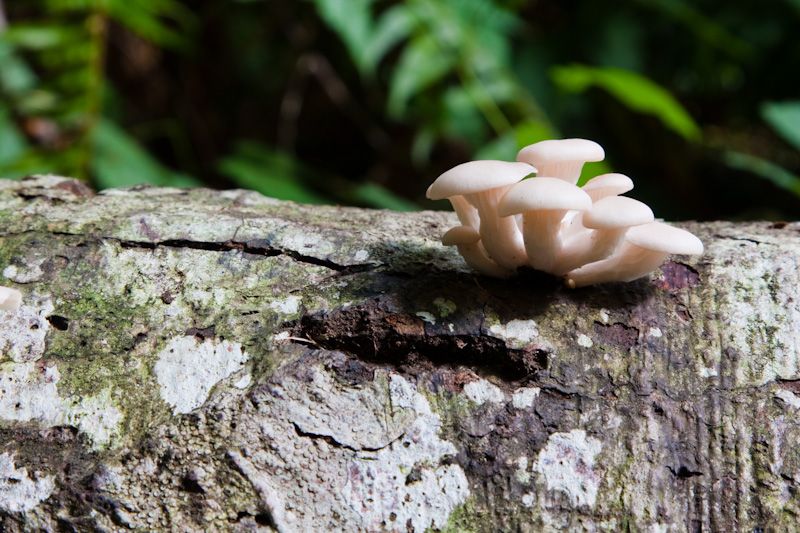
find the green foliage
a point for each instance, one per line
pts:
(633, 90)
(764, 169)
(63, 107)
(784, 117)
(278, 175)
(364, 102)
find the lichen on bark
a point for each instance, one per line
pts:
(195, 360)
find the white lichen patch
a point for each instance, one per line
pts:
(365, 456)
(28, 274)
(524, 397)
(97, 416)
(286, 306)
(481, 392)
(656, 333)
(516, 333)
(29, 393)
(362, 255)
(244, 381)
(23, 331)
(187, 370)
(790, 398)
(306, 243)
(406, 482)
(523, 473)
(20, 492)
(427, 317)
(759, 315)
(585, 341)
(709, 372)
(567, 465)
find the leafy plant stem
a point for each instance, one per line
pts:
(483, 100)
(97, 25)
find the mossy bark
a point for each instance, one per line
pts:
(219, 361)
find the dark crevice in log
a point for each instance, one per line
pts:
(376, 335)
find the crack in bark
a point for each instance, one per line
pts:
(229, 246)
(336, 444)
(745, 239)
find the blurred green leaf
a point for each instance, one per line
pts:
(15, 75)
(421, 64)
(272, 173)
(41, 36)
(631, 89)
(374, 195)
(350, 19)
(707, 29)
(592, 169)
(784, 117)
(119, 161)
(394, 25)
(503, 147)
(154, 20)
(763, 168)
(529, 132)
(12, 143)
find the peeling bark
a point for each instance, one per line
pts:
(219, 361)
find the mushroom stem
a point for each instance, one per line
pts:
(475, 256)
(467, 240)
(501, 237)
(629, 263)
(569, 171)
(467, 214)
(541, 233)
(588, 248)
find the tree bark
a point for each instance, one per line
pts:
(194, 360)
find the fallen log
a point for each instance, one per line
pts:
(196, 360)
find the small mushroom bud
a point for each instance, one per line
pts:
(467, 241)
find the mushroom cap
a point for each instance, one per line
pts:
(10, 298)
(661, 237)
(460, 235)
(617, 212)
(560, 151)
(608, 185)
(477, 176)
(543, 194)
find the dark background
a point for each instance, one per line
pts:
(366, 102)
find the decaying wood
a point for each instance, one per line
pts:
(219, 361)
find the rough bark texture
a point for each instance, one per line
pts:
(220, 361)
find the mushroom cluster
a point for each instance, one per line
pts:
(588, 235)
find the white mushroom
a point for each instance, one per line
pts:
(611, 184)
(561, 158)
(482, 184)
(467, 213)
(543, 202)
(468, 242)
(644, 249)
(609, 220)
(10, 298)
